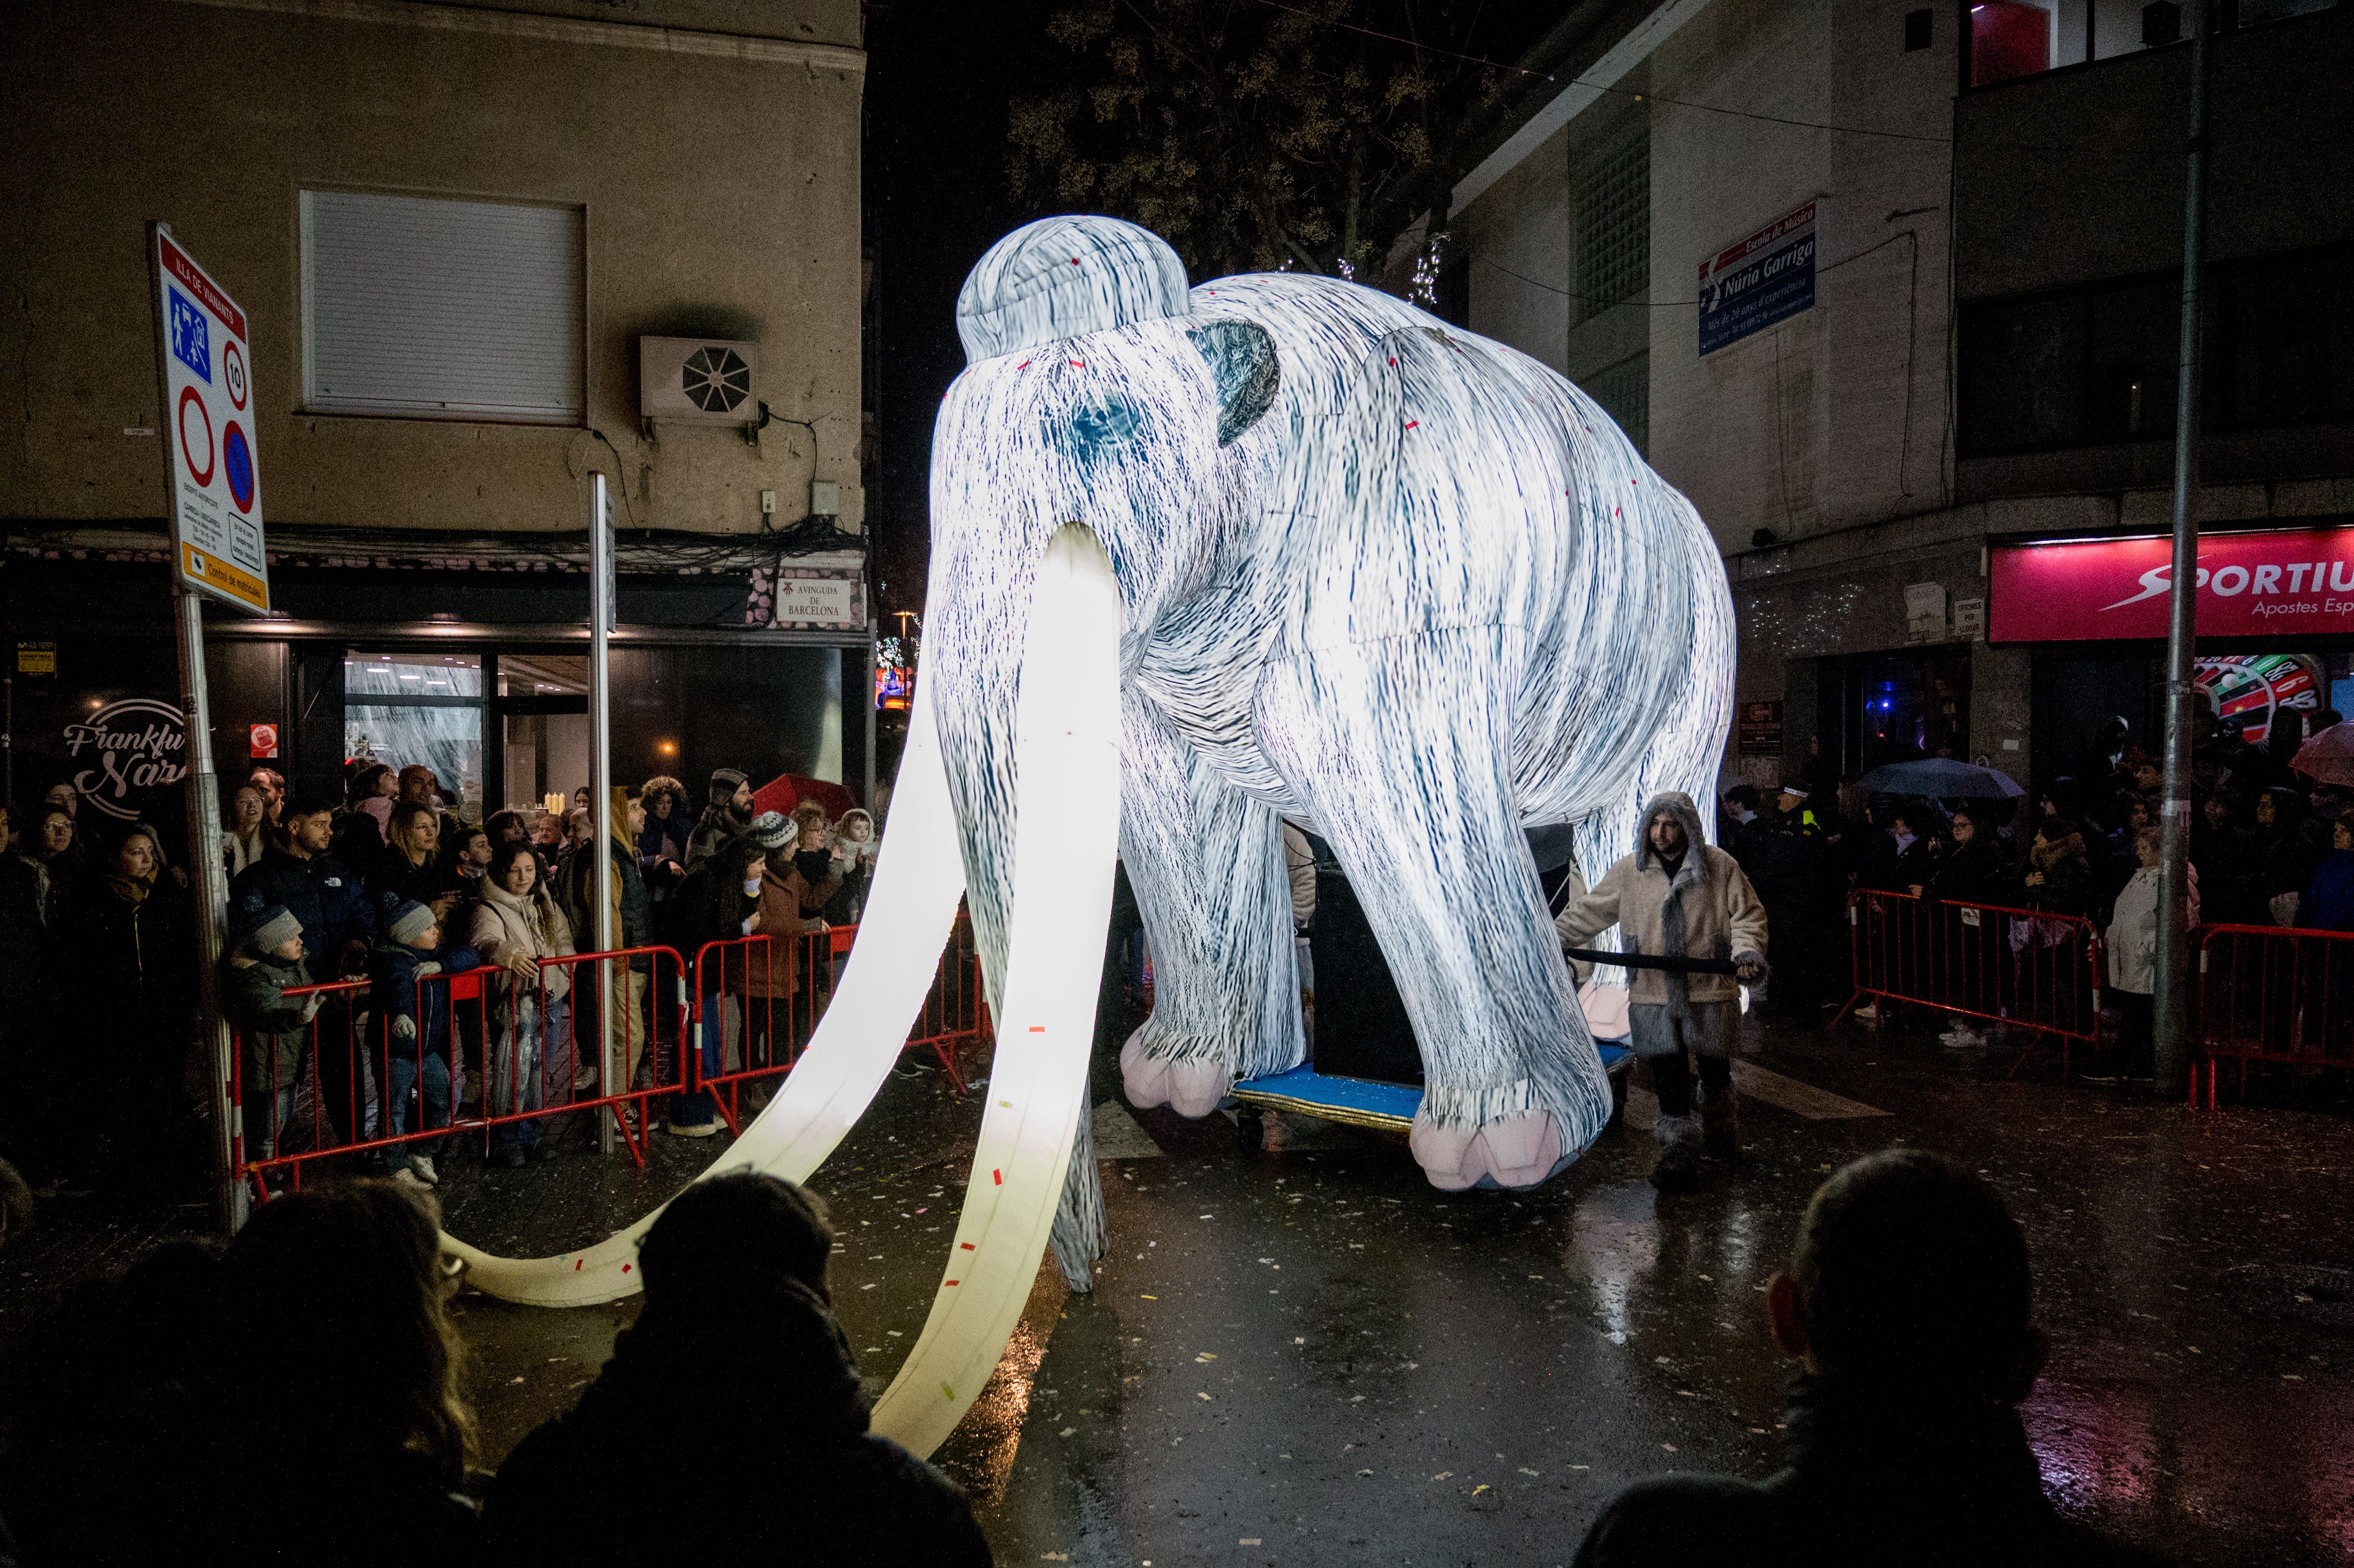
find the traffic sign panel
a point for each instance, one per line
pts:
(214, 467)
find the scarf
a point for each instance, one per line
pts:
(2047, 854)
(131, 890)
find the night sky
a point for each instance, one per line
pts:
(940, 74)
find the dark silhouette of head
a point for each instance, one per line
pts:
(1909, 1273)
(733, 1234)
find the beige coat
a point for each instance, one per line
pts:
(1709, 912)
(532, 927)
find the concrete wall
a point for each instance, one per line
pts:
(717, 162)
(1518, 237)
(1836, 416)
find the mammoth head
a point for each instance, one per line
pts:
(1072, 277)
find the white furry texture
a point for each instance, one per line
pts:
(1429, 598)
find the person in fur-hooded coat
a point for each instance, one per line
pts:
(1679, 896)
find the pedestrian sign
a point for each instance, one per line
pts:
(213, 467)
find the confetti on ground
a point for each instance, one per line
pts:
(1066, 1432)
(1526, 1471)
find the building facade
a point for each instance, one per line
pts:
(1891, 293)
(486, 253)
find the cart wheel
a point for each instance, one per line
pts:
(1250, 1127)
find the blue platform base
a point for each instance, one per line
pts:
(1362, 1102)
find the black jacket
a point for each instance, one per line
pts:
(575, 890)
(130, 966)
(1867, 1485)
(392, 878)
(813, 1486)
(1976, 873)
(320, 893)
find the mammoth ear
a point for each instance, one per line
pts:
(1242, 362)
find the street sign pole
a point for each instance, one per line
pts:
(614, 984)
(2172, 1024)
(190, 320)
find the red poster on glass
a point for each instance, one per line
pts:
(2280, 583)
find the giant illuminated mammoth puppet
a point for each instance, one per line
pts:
(1277, 547)
(1400, 584)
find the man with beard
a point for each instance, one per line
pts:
(726, 813)
(1678, 897)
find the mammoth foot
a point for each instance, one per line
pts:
(1511, 1151)
(1192, 1086)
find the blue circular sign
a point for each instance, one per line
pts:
(237, 461)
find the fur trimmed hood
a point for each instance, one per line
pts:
(1677, 801)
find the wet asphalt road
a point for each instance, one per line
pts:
(1313, 1357)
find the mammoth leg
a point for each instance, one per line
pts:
(1206, 862)
(1400, 748)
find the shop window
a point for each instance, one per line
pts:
(405, 708)
(1624, 391)
(544, 731)
(1611, 189)
(1905, 706)
(431, 309)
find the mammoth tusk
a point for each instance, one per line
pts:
(1067, 731)
(919, 878)
(1066, 737)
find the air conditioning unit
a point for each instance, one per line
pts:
(698, 381)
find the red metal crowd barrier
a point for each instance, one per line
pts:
(2270, 993)
(625, 1040)
(765, 994)
(2022, 966)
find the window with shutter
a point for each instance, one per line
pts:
(421, 307)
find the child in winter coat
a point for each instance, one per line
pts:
(855, 849)
(265, 962)
(416, 1028)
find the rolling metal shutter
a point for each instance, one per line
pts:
(434, 309)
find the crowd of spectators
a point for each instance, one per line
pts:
(2267, 847)
(303, 1391)
(383, 887)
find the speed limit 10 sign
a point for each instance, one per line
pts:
(213, 468)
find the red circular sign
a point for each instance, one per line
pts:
(202, 473)
(233, 374)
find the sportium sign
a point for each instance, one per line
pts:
(214, 467)
(1752, 283)
(2282, 582)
